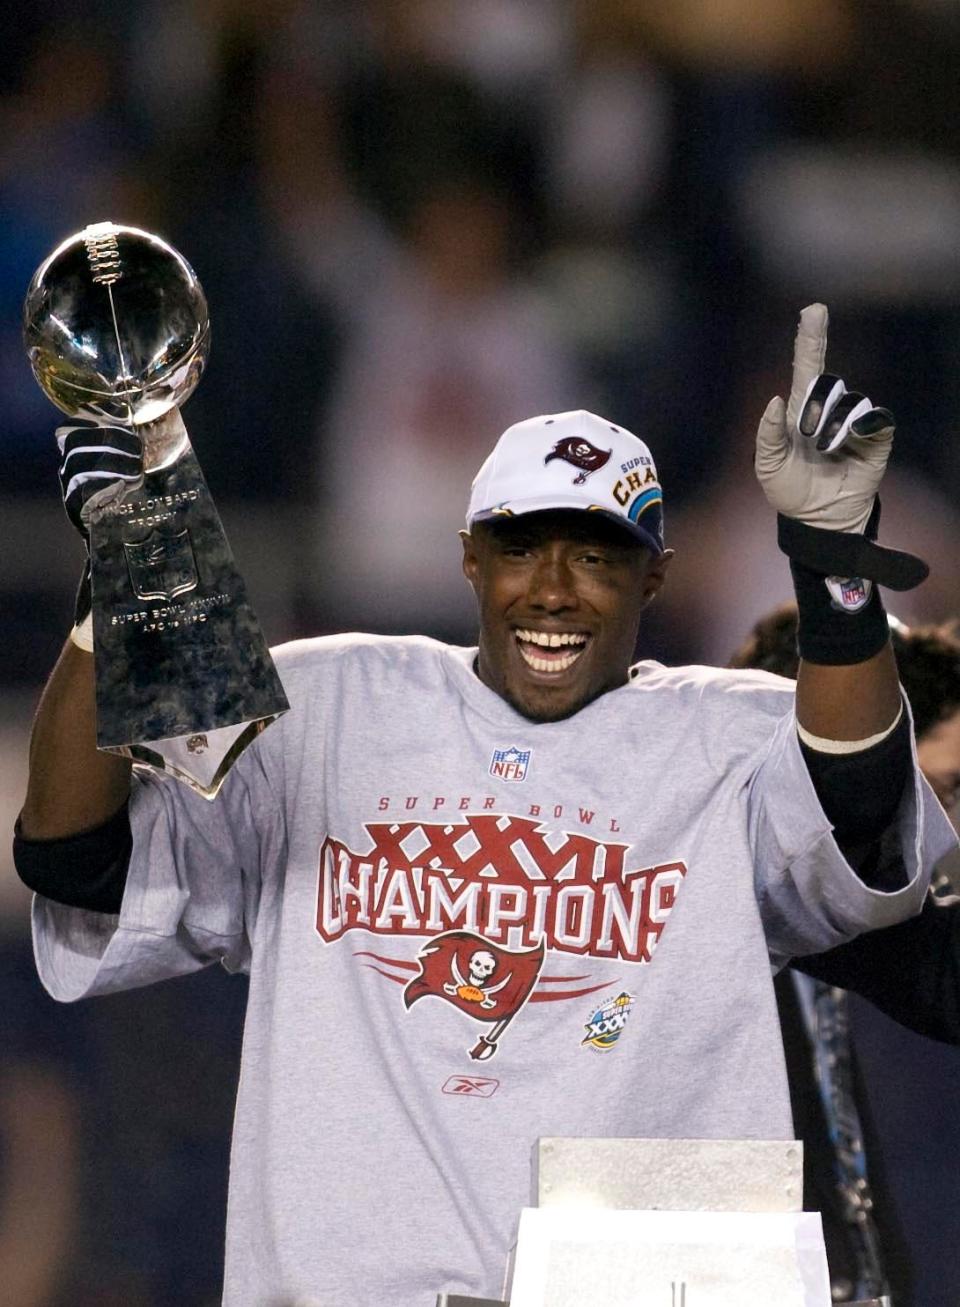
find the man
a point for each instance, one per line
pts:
(490, 895)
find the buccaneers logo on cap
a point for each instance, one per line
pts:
(579, 452)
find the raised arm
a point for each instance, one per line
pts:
(820, 459)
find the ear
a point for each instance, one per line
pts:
(470, 563)
(655, 575)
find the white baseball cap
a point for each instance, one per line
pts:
(571, 460)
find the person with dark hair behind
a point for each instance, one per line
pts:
(910, 973)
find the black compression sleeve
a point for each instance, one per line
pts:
(88, 870)
(860, 794)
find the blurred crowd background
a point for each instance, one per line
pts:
(417, 221)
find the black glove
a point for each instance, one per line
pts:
(96, 463)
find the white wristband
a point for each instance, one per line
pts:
(82, 635)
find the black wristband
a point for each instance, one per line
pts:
(829, 634)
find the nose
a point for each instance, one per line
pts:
(552, 586)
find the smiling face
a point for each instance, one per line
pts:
(560, 595)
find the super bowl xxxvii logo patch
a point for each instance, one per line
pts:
(510, 764)
(608, 1022)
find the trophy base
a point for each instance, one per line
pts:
(200, 761)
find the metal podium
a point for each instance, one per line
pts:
(688, 1192)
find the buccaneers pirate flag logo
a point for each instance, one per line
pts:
(579, 452)
(485, 981)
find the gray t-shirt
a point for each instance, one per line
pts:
(464, 931)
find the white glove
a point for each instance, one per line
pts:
(821, 459)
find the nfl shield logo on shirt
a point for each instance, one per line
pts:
(510, 764)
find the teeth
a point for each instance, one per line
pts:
(574, 641)
(549, 664)
(552, 640)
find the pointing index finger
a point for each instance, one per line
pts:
(809, 356)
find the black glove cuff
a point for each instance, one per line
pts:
(845, 553)
(830, 635)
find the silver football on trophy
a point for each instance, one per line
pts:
(116, 326)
